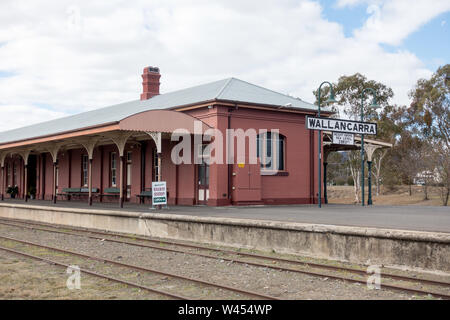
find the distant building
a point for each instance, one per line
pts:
(427, 177)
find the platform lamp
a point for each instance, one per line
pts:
(319, 139)
(373, 105)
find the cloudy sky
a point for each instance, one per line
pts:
(63, 57)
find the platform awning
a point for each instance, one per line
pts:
(370, 145)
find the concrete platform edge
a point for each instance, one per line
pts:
(281, 225)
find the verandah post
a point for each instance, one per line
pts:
(25, 187)
(54, 181)
(121, 180)
(90, 181)
(159, 155)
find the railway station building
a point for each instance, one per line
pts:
(114, 153)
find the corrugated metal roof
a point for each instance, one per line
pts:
(230, 89)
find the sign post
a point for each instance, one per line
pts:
(159, 193)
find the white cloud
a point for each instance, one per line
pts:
(391, 22)
(350, 3)
(75, 57)
(16, 116)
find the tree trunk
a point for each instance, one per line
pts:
(377, 162)
(425, 192)
(354, 166)
(445, 194)
(357, 187)
(356, 184)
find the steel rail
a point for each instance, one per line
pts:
(136, 267)
(96, 274)
(251, 255)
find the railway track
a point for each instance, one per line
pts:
(96, 274)
(130, 266)
(160, 244)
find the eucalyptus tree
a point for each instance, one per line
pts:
(428, 118)
(348, 91)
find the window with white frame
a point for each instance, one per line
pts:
(113, 169)
(271, 151)
(84, 165)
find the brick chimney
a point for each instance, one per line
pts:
(150, 82)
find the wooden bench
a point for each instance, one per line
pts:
(147, 193)
(68, 192)
(110, 192)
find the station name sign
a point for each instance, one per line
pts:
(340, 125)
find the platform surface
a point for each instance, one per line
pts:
(419, 218)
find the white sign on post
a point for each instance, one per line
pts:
(159, 192)
(343, 138)
(341, 125)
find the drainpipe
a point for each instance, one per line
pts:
(226, 156)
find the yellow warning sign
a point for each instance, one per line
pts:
(241, 165)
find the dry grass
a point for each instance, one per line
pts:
(22, 278)
(398, 196)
